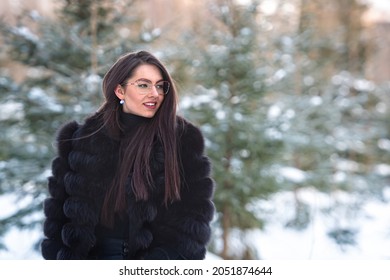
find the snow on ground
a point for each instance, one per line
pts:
(20, 245)
(277, 242)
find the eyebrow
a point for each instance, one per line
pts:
(149, 81)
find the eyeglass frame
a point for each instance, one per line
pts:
(150, 85)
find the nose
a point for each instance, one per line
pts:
(154, 92)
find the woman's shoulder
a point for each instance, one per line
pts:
(190, 135)
(89, 124)
(67, 130)
(89, 131)
(185, 125)
(64, 137)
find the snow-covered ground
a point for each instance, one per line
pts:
(275, 242)
(373, 239)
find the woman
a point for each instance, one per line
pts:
(131, 182)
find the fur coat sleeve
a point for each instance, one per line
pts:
(81, 172)
(183, 228)
(53, 206)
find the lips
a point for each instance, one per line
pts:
(150, 105)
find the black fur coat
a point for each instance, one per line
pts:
(85, 167)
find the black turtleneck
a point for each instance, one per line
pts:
(129, 121)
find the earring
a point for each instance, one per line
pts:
(122, 101)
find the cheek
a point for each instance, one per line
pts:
(133, 99)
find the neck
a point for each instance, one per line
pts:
(129, 122)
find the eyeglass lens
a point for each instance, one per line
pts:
(146, 87)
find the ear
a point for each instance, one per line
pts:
(119, 92)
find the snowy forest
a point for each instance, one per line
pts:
(292, 96)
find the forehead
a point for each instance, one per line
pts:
(148, 72)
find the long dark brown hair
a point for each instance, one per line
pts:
(135, 151)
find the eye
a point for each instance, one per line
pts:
(160, 86)
(143, 85)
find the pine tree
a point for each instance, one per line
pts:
(329, 112)
(229, 105)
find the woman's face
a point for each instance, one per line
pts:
(141, 104)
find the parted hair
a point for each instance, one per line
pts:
(135, 151)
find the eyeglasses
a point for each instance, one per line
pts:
(145, 87)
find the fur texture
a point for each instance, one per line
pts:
(84, 168)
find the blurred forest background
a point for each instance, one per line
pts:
(293, 97)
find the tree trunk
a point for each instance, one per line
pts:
(225, 233)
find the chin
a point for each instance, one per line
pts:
(149, 116)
